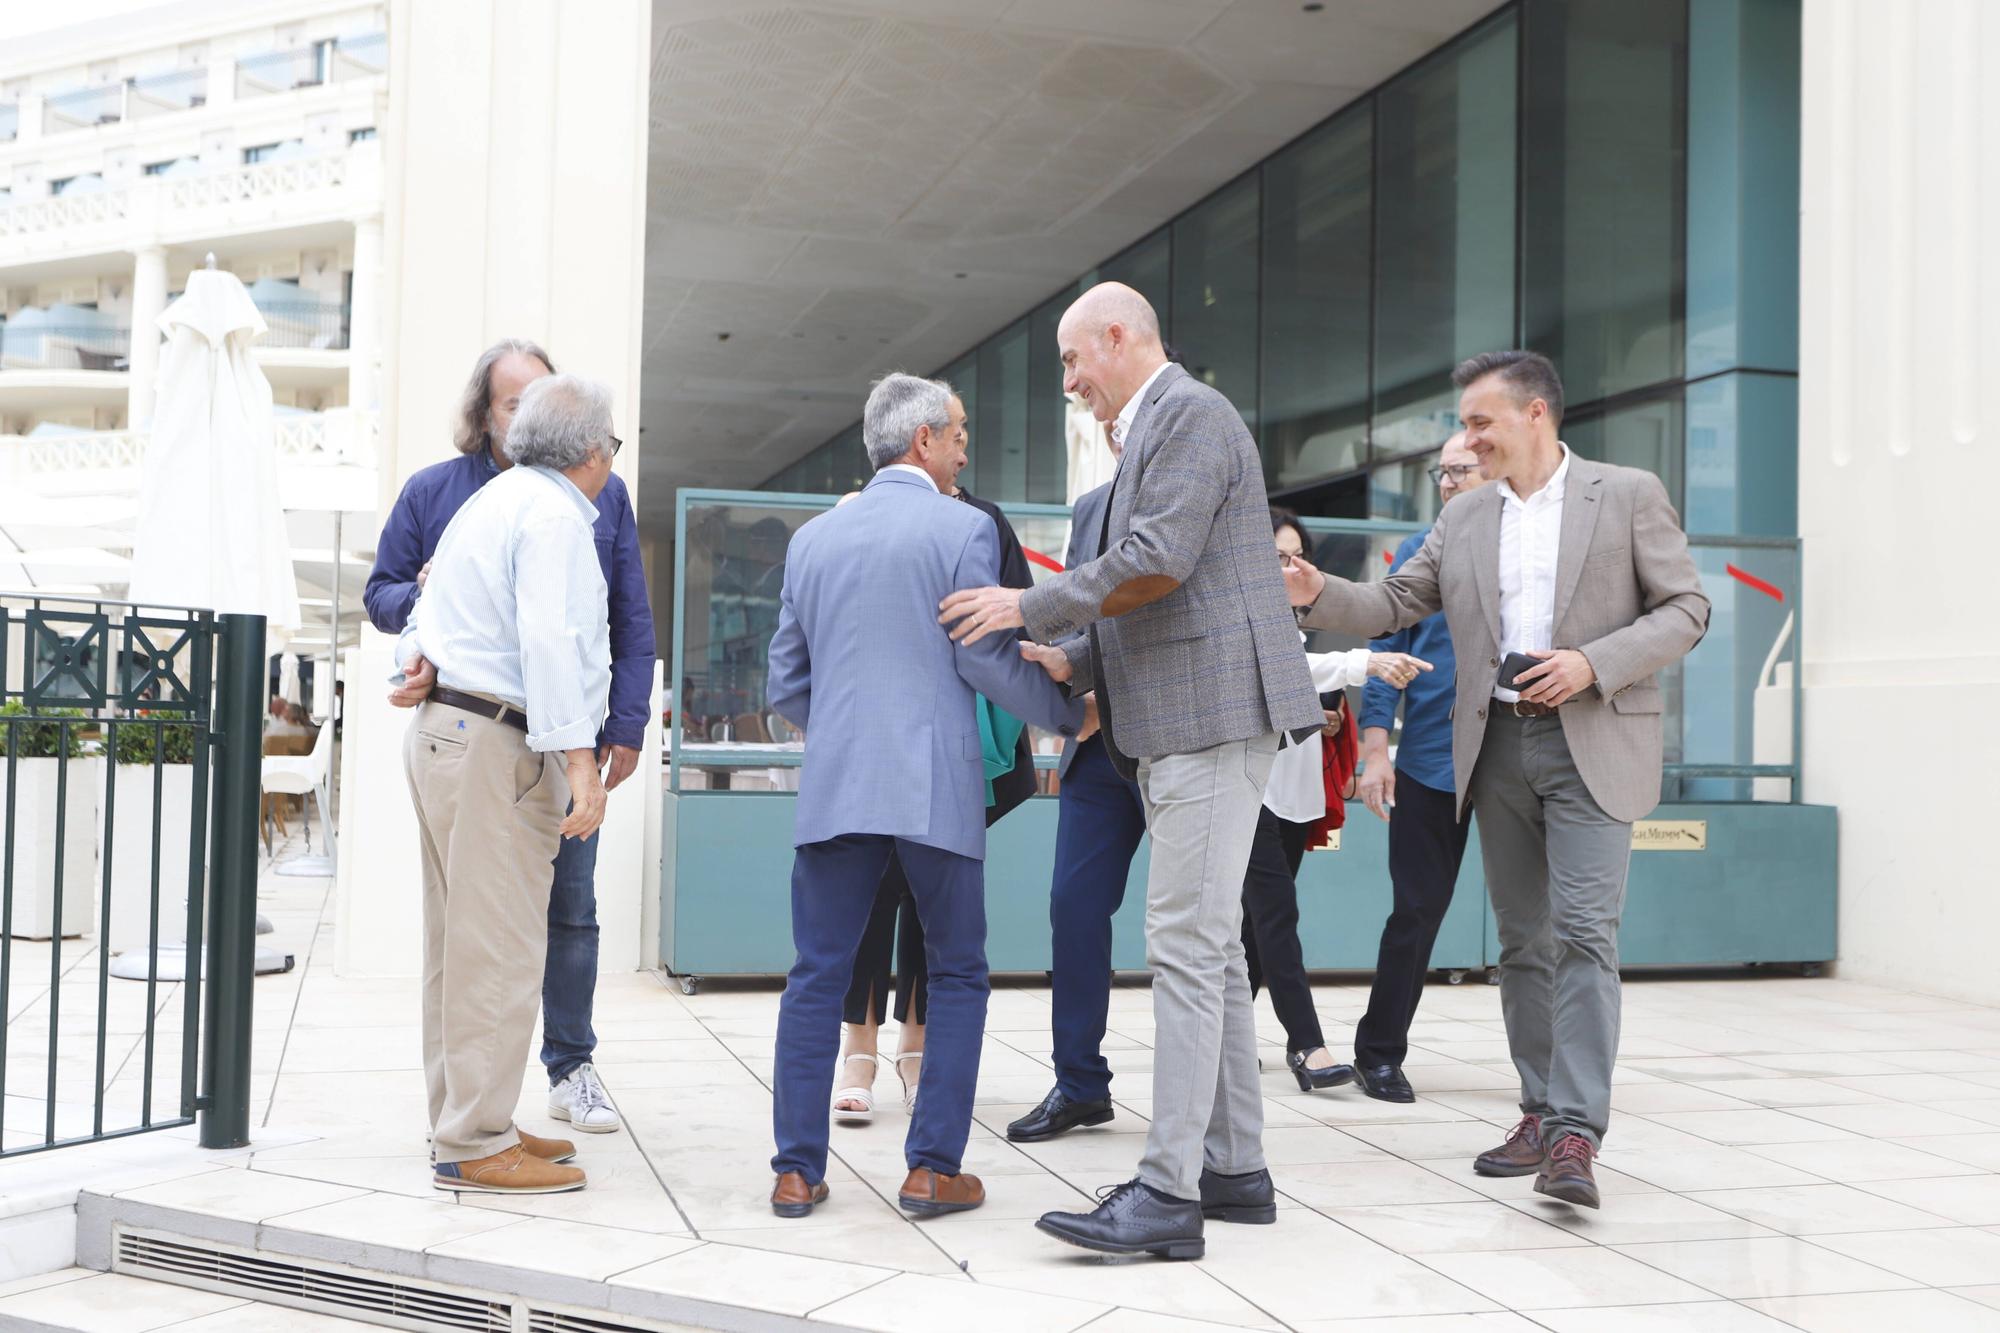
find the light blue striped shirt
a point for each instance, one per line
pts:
(514, 607)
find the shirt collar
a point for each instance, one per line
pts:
(1123, 425)
(1549, 494)
(912, 467)
(584, 507)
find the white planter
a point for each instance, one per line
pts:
(131, 848)
(35, 845)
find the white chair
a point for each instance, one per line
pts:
(308, 776)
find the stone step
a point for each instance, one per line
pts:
(85, 1300)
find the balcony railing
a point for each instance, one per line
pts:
(64, 212)
(158, 94)
(264, 180)
(314, 325)
(10, 121)
(84, 108)
(64, 347)
(282, 71)
(339, 435)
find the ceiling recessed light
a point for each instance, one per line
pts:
(958, 275)
(722, 337)
(1313, 7)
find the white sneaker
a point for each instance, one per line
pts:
(582, 1100)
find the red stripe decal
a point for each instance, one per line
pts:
(1037, 558)
(1769, 590)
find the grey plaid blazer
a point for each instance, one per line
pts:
(1627, 596)
(1200, 646)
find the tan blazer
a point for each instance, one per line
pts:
(1627, 597)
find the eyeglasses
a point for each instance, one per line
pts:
(1459, 472)
(616, 445)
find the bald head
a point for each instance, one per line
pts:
(1110, 344)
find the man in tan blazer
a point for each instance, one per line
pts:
(1584, 567)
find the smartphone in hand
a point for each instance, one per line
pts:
(1512, 667)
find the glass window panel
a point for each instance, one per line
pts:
(1048, 443)
(963, 376)
(735, 571)
(1444, 211)
(1404, 491)
(849, 470)
(1317, 233)
(1647, 436)
(1214, 327)
(1603, 126)
(1000, 433)
(1146, 267)
(1742, 455)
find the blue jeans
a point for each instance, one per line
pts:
(569, 978)
(1099, 822)
(833, 891)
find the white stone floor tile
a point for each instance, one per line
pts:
(1736, 1129)
(574, 1249)
(1871, 1312)
(1803, 1210)
(1968, 1200)
(1987, 1296)
(900, 1245)
(1976, 1151)
(246, 1196)
(1765, 1266)
(1437, 1228)
(1635, 1219)
(915, 1304)
(1493, 1322)
(1856, 1159)
(1156, 1289)
(111, 1303)
(1693, 1317)
(393, 1220)
(758, 1279)
(1556, 1279)
(259, 1317)
(1953, 1257)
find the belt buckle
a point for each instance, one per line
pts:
(1522, 709)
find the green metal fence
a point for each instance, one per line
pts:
(129, 790)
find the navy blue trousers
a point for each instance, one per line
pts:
(833, 891)
(1100, 819)
(569, 978)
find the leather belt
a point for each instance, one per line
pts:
(1520, 708)
(472, 703)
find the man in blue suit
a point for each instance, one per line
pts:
(893, 766)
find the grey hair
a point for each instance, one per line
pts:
(475, 405)
(1528, 375)
(562, 421)
(897, 405)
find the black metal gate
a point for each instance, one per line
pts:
(141, 725)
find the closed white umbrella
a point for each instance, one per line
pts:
(288, 680)
(210, 531)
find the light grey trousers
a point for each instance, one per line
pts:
(1555, 870)
(1208, 1101)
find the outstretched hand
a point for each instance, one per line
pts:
(978, 612)
(1052, 660)
(1303, 581)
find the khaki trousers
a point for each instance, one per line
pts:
(488, 811)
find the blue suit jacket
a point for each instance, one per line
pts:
(861, 665)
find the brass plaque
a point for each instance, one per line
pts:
(1332, 842)
(1670, 835)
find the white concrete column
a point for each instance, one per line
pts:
(149, 302)
(514, 185)
(364, 320)
(1900, 149)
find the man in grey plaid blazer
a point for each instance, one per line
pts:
(1195, 659)
(1583, 567)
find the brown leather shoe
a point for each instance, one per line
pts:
(1520, 1155)
(515, 1171)
(792, 1197)
(926, 1193)
(1566, 1174)
(549, 1150)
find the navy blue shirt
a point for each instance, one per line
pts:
(1425, 749)
(425, 508)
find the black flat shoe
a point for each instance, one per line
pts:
(1385, 1083)
(1245, 1198)
(1057, 1115)
(1311, 1080)
(1133, 1219)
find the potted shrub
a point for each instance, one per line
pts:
(136, 746)
(37, 760)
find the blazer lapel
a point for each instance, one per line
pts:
(1579, 523)
(1485, 548)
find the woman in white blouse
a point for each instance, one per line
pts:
(1295, 799)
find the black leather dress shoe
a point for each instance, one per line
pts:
(1385, 1083)
(1245, 1198)
(1057, 1115)
(1311, 1080)
(1133, 1219)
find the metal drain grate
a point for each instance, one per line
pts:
(377, 1298)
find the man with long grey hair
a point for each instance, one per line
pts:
(486, 410)
(512, 619)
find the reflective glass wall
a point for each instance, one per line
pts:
(1610, 183)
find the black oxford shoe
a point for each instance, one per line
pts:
(1057, 1115)
(1385, 1083)
(1133, 1219)
(1244, 1198)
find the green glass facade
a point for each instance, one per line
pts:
(1613, 184)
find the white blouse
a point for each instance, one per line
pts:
(1297, 790)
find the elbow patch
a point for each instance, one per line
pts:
(1135, 593)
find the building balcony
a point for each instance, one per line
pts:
(63, 347)
(363, 55)
(178, 209)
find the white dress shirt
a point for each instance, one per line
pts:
(1297, 788)
(1123, 423)
(514, 607)
(929, 480)
(1530, 533)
